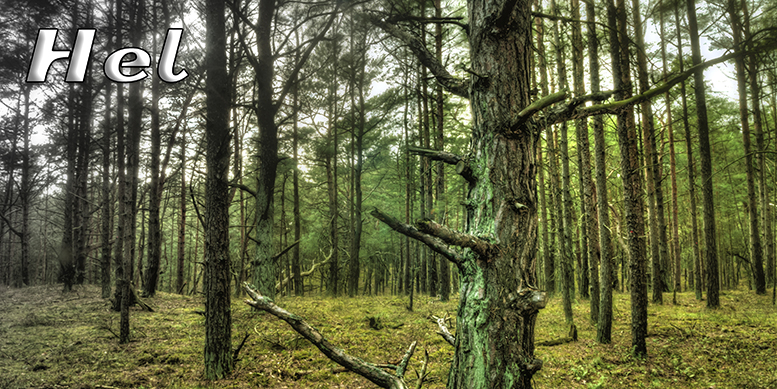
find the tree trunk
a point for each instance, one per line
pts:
(713, 288)
(547, 227)
(696, 258)
(299, 286)
(565, 232)
(604, 318)
(182, 224)
(632, 190)
(155, 190)
(757, 258)
(439, 144)
(218, 319)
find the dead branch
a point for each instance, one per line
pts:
(365, 369)
(443, 331)
(279, 286)
(457, 238)
(572, 337)
(462, 167)
(432, 242)
(236, 354)
(452, 84)
(422, 375)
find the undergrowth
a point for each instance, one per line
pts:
(53, 340)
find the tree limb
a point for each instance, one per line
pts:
(449, 82)
(563, 112)
(280, 285)
(462, 167)
(365, 369)
(432, 242)
(444, 332)
(457, 238)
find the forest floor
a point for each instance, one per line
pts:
(53, 340)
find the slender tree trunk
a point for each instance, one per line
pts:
(756, 252)
(549, 255)
(299, 286)
(710, 243)
(632, 191)
(218, 319)
(442, 206)
(755, 90)
(677, 248)
(565, 233)
(696, 257)
(155, 190)
(588, 208)
(107, 203)
(182, 224)
(604, 318)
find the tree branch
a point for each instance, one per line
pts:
(365, 369)
(456, 238)
(538, 105)
(243, 188)
(432, 242)
(565, 113)
(444, 332)
(462, 167)
(449, 82)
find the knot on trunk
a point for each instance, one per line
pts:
(532, 366)
(527, 301)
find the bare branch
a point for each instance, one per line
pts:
(462, 167)
(432, 242)
(402, 367)
(280, 285)
(539, 105)
(564, 113)
(449, 82)
(456, 20)
(444, 332)
(365, 369)
(284, 251)
(243, 188)
(457, 238)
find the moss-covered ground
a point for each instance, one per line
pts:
(53, 340)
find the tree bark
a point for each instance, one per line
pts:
(632, 189)
(218, 319)
(710, 243)
(604, 322)
(696, 258)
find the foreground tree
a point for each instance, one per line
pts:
(218, 318)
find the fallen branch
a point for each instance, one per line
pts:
(365, 369)
(572, 337)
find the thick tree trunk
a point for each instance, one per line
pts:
(218, 319)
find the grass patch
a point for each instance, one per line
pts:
(53, 340)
